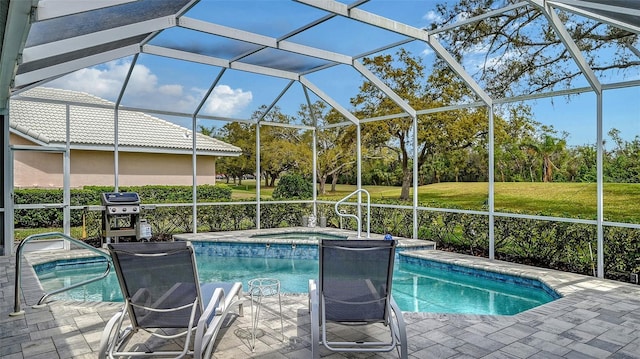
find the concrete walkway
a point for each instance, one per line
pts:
(594, 319)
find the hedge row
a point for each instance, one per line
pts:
(557, 245)
(52, 217)
(565, 246)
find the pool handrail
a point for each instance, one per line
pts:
(16, 304)
(357, 218)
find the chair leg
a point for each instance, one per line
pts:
(401, 329)
(240, 304)
(113, 336)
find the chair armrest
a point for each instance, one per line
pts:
(212, 309)
(212, 318)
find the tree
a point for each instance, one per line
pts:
(437, 133)
(583, 166)
(242, 135)
(515, 127)
(622, 164)
(208, 131)
(282, 148)
(406, 81)
(334, 150)
(522, 52)
(549, 148)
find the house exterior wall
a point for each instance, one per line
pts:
(45, 170)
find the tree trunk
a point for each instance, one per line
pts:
(533, 179)
(547, 170)
(334, 182)
(322, 181)
(406, 183)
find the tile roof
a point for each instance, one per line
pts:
(94, 126)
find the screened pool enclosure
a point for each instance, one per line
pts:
(204, 64)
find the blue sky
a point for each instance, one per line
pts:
(179, 86)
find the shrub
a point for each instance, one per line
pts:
(293, 186)
(90, 195)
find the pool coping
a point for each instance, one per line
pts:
(244, 236)
(564, 283)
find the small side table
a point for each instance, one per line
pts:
(258, 289)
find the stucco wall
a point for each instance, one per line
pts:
(44, 170)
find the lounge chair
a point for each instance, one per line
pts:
(163, 297)
(354, 288)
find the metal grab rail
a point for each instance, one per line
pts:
(16, 304)
(357, 218)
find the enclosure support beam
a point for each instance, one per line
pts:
(415, 176)
(384, 88)
(194, 170)
(6, 223)
(116, 110)
(314, 150)
(492, 186)
(66, 179)
(258, 175)
(359, 171)
(194, 156)
(600, 185)
(326, 98)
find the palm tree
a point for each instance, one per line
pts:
(547, 148)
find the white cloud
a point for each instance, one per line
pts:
(462, 16)
(225, 101)
(104, 81)
(145, 90)
(432, 16)
(171, 90)
(427, 51)
(476, 58)
(142, 80)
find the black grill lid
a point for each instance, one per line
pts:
(115, 198)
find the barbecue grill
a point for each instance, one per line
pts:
(121, 215)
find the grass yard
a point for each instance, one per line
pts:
(573, 200)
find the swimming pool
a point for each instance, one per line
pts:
(418, 285)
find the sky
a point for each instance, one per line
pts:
(174, 85)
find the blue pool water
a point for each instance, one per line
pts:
(418, 285)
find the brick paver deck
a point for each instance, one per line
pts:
(594, 319)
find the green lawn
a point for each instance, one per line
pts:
(574, 200)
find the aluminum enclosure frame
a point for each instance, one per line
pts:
(22, 14)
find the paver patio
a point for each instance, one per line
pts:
(594, 319)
